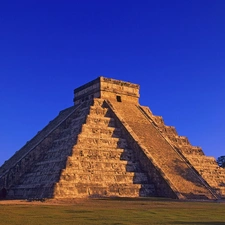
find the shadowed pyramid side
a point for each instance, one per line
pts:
(33, 170)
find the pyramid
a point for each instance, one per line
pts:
(108, 145)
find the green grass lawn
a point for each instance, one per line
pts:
(114, 211)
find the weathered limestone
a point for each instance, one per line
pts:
(102, 164)
(109, 145)
(106, 88)
(206, 167)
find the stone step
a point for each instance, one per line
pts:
(158, 120)
(216, 172)
(99, 111)
(103, 177)
(98, 102)
(90, 142)
(97, 148)
(61, 140)
(100, 132)
(100, 121)
(202, 160)
(190, 151)
(170, 131)
(103, 154)
(60, 154)
(35, 174)
(214, 178)
(57, 149)
(109, 165)
(65, 132)
(222, 191)
(54, 166)
(40, 179)
(215, 182)
(49, 162)
(32, 192)
(206, 168)
(83, 189)
(42, 170)
(179, 140)
(121, 190)
(63, 143)
(75, 122)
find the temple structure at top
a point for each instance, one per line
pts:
(107, 88)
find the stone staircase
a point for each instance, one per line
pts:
(172, 166)
(102, 163)
(205, 166)
(210, 171)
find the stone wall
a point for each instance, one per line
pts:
(119, 90)
(106, 88)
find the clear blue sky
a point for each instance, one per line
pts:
(175, 50)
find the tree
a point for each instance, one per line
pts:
(221, 161)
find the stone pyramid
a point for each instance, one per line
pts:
(108, 145)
